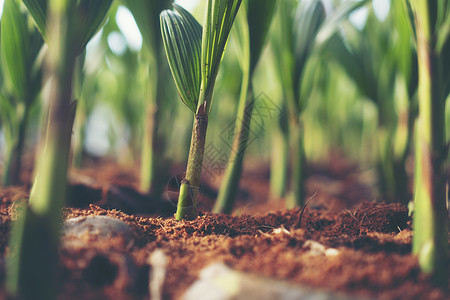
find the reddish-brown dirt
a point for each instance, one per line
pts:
(261, 237)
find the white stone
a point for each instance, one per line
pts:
(219, 282)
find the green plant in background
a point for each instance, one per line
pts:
(379, 62)
(146, 14)
(125, 96)
(301, 29)
(21, 63)
(430, 221)
(293, 41)
(34, 238)
(194, 58)
(252, 25)
(79, 126)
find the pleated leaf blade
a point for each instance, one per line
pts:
(182, 39)
(219, 19)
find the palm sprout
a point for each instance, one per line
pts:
(430, 241)
(252, 26)
(21, 46)
(300, 29)
(146, 14)
(34, 239)
(375, 63)
(194, 57)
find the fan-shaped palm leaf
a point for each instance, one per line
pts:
(182, 38)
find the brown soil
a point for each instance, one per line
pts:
(263, 238)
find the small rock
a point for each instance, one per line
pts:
(316, 248)
(219, 282)
(158, 262)
(99, 227)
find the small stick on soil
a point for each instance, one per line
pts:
(299, 222)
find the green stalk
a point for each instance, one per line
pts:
(190, 185)
(189, 189)
(79, 127)
(153, 144)
(146, 15)
(230, 182)
(252, 27)
(11, 175)
(194, 54)
(34, 260)
(34, 240)
(279, 160)
(430, 217)
(148, 162)
(297, 198)
(79, 135)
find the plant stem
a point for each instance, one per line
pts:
(298, 165)
(189, 189)
(79, 135)
(13, 160)
(147, 157)
(36, 234)
(430, 217)
(35, 258)
(230, 182)
(279, 160)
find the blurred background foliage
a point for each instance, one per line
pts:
(359, 98)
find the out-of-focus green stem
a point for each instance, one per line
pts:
(230, 182)
(79, 135)
(296, 133)
(189, 189)
(13, 165)
(430, 216)
(279, 160)
(149, 135)
(32, 269)
(152, 143)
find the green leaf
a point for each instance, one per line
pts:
(309, 18)
(182, 38)
(241, 33)
(282, 43)
(331, 25)
(88, 16)
(220, 15)
(20, 46)
(259, 16)
(15, 46)
(146, 14)
(38, 10)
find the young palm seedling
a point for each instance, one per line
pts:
(194, 59)
(146, 14)
(67, 28)
(430, 240)
(301, 29)
(253, 23)
(374, 64)
(21, 63)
